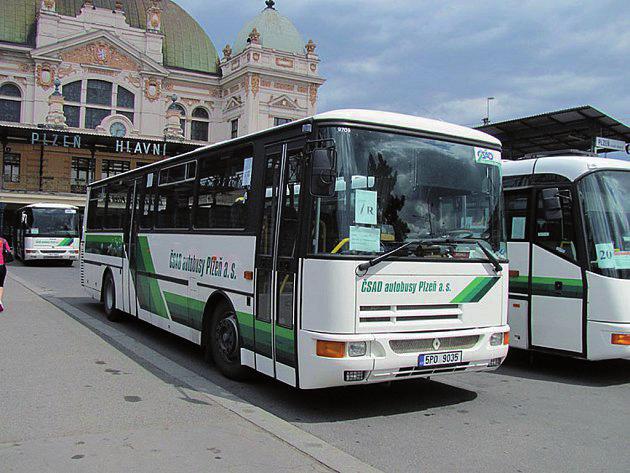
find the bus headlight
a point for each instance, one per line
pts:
(357, 349)
(499, 338)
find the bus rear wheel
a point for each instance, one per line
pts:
(224, 343)
(109, 299)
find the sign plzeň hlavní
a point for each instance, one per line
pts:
(66, 140)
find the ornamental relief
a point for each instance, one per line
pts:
(65, 71)
(45, 75)
(313, 94)
(284, 86)
(284, 62)
(255, 84)
(190, 102)
(134, 80)
(101, 54)
(152, 89)
(25, 67)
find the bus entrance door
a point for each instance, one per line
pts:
(276, 263)
(130, 241)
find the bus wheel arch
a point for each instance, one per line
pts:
(221, 336)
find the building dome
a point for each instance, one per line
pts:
(186, 44)
(276, 32)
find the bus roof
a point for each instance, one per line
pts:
(44, 205)
(571, 167)
(358, 116)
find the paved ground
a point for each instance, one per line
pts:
(553, 414)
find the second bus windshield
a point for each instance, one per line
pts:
(393, 188)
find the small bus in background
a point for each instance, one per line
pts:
(568, 228)
(47, 232)
(347, 248)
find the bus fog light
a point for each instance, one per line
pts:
(354, 375)
(357, 349)
(620, 339)
(496, 339)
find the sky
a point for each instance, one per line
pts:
(442, 58)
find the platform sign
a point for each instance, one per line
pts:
(609, 144)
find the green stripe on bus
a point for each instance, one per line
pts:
(246, 325)
(546, 286)
(145, 264)
(66, 242)
(476, 290)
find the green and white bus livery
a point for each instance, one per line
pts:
(47, 232)
(568, 228)
(351, 247)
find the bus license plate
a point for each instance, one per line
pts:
(435, 359)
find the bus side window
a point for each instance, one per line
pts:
(96, 210)
(222, 199)
(516, 210)
(554, 222)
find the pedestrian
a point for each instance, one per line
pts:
(6, 251)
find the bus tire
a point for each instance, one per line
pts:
(109, 298)
(224, 342)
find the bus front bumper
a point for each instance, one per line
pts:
(607, 341)
(67, 255)
(398, 356)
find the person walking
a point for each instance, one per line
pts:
(6, 250)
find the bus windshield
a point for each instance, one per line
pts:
(52, 222)
(606, 206)
(393, 189)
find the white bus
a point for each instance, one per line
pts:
(47, 232)
(568, 228)
(350, 247)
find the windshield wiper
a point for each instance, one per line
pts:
(362, 269)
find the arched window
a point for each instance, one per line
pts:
(90, 101)
(10, 103)
(182, 121)
(199, 125)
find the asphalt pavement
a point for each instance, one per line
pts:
(540, 413)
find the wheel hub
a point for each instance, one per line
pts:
(227, 338)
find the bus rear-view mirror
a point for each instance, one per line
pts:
(323, 172)
(551, 203)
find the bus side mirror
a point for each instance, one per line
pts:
(551, 204)
(323, 172)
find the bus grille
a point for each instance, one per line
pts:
(52, 252)
(426, 344)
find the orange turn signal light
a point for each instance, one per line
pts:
(248, 275)
(331, 349)
(506, 338)
(620, 339)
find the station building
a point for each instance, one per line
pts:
(93, 88)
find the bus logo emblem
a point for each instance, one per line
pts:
(436, 343)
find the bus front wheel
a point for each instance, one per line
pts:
(225, 346)
(109, 298)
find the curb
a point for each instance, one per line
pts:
(314, 447)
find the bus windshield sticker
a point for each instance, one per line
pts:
(605, 255)
(518, 228)
(71, 211)
(487, 156)
(34, 231)
(247, 172)
(365, 239)
(622, 259)
(150, 180)
(365, 207)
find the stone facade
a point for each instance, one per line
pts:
(256, 86)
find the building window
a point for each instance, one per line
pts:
(82, 173)
(199, 125)
(234, 133)
(11, 167)
(10, 103)
(89, 102)
(113, 168)
(277, 121)
(182, 121)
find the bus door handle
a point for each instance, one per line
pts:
(558, 285)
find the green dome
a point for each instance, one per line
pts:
(276, 32)
(186, 44)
